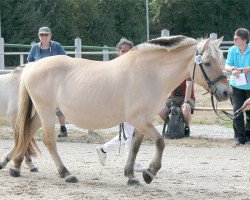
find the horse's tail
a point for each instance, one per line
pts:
(23, 125)
(33, 149)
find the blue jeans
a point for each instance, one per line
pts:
(238, 98)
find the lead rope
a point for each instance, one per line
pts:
(121, 133)
(164, 126)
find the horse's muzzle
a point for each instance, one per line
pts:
(223, 95)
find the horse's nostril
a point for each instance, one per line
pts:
(226, 94)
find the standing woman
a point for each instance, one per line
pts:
(46, 47)
(238, 62)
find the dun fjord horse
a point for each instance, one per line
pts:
(9, 88)
(96, 95)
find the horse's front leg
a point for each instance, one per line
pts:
(149, 130)
(50, 142)
(155, 165)
(129, 168)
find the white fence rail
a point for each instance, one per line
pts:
(105, 52)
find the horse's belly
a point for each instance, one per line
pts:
(93, 121)
(94, 124)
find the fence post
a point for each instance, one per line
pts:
(78, 45)
(164, 32)
(105, 54)
(21, 59)
(1, 53)
(213, 36)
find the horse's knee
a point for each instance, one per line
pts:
(160, 144)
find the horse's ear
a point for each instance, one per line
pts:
(218, 41)
(205, 46)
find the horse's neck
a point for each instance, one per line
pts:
(172, 68)
(175, 66)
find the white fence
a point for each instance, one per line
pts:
(104, 51)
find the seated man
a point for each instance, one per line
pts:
(182, 96)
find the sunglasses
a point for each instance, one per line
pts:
(236, 38)
(44, 35)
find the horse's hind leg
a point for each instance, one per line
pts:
(29, 163)
(7, 158)
(129, 168)
(15, 170)
(50, 142)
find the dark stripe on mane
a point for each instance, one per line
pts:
(168, 41)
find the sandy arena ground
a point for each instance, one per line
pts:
(190, 173)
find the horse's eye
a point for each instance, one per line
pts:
(207, 64)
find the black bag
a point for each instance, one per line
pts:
(175, 124)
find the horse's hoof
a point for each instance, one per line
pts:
(2, 165)
(34, 169)
(134, 182)
(71, 179)
(14, 173)
(147, 176)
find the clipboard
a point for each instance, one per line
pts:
(241, 80)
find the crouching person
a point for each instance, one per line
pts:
(182, 97)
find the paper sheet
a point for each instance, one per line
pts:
(241, 80)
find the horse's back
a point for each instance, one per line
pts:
(77, 86)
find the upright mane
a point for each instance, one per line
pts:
(167, 43)
(213, 51)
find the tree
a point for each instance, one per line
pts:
(197, 18)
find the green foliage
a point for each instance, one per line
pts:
(104, 22)
(198, 18)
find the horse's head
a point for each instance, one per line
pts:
(208, 72)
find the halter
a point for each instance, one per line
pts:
(198, 61)
(212, 89)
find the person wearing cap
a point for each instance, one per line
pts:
(46, 47)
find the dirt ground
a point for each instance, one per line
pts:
(190, 173)
(192, 169)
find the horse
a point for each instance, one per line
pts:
(96, 94)
(9, 88)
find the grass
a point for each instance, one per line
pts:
(100, 137)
